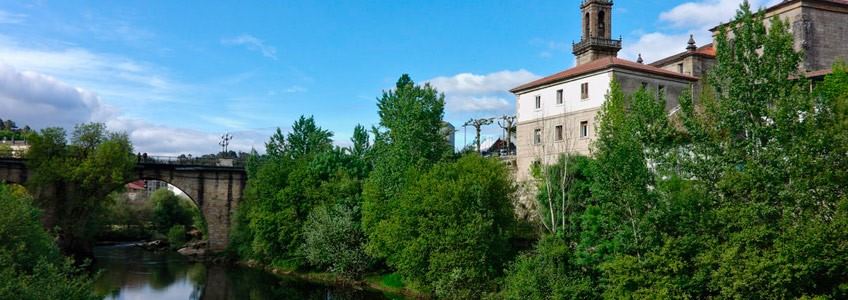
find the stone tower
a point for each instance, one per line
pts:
(596, 41)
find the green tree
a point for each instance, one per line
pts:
(30, 264)
(307, 138)
(297, 174)
(407, 142)
(169, 210)
(452, 226)
(73, 181)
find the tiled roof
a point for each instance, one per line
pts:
(135, 185)
(705, 51)
(598, 65)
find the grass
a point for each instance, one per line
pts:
(392, 280)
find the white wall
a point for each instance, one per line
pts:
(598, 87)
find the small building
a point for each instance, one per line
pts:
(497, 148)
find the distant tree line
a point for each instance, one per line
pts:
(9, 131)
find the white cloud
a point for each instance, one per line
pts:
(114, 77)
(473, 93)
(295, 89)
(707, 13)
(657, 45)
(252, 43)
(11, 18)
(694, 17)
(473, 84)
(38, 100)
(169, 141)
(461, 104)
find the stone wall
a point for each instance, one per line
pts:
(216, 191)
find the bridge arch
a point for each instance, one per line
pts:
(216, 190)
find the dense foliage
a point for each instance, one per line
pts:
(741, 195)
(170, 210)
(358, 209)
(72, 182)
(333, 240)
(9, 131)
(31, 266)
(451, 228)
(300, 172)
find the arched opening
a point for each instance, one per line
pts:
(601, 24)
(152, 210)
(586, 26)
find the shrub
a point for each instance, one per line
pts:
(169, 211)
(31, 266)
(333, 240)
(451, 229)
(176, 236)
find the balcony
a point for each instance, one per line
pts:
(587, 2)
(596, 42)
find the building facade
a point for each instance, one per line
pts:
(557, 114)
(819, 27)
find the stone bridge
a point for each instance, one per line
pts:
(215, 188)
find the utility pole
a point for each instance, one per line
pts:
(225, 142)
(507, 123)
(478, 124)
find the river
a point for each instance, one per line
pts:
(130, 273)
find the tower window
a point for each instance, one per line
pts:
(538, 101)
(584, 129)
(559, 97)
(601, 24)
(586, 26)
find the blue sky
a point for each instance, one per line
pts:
(177, 74)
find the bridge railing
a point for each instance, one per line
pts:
(11, 153)
(192, 161)
(162, 160)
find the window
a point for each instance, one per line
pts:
(661, 91)
(680, 68)
(559, 97)
(538, 102)
(601, 27)
(559, 132)
(537, 136)
(584, 129)
(644, 85)
(584, 90)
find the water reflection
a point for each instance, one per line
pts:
(131, 273)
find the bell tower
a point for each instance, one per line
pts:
(596, 41)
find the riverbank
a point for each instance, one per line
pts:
(372, 282)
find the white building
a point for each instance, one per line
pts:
(557, 114)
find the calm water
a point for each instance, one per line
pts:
(131, 273)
